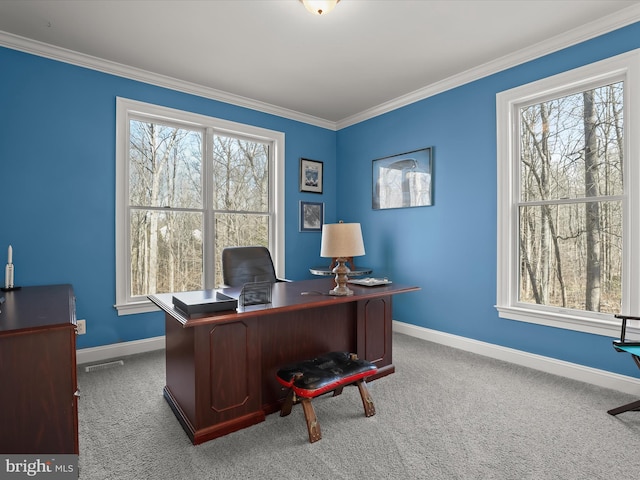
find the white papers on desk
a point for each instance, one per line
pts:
(369, 282)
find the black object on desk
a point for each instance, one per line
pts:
(203, 301)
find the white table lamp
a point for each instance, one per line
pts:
(341, 241)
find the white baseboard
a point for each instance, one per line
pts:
(574, 371)
(115, 350)
(601, 378)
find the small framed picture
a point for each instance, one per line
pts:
(310, 176)
(311, 216)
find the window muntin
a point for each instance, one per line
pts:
(188, 186)
(570, 231)
(618, 202)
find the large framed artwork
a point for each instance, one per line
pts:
(403, 180)
(310, 176)
(311, 216)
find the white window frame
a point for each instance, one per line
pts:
(125, 110)
(625, 67)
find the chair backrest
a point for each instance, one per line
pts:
(242, 265)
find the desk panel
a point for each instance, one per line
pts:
(375, 324)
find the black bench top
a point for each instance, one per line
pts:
(324, 373)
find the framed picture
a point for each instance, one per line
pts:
(310, 176)
(311, 216)
(403, 180)
(255, 293)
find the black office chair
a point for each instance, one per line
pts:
(241, 265)
(632, 347)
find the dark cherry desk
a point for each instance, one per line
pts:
(221, 368)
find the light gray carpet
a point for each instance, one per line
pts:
(444, 414)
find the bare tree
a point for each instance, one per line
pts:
(570, 227)
(592, 209)
(168, 204)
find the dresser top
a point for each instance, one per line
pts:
(37, 307)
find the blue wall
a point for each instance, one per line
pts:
(57, 179)
(449, 249)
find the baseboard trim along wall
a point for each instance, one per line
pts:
(561, 368)
(115, 350)
(574, 371)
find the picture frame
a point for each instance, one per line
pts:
(311, 216)
(403, 180)
(255, 293)
(311, 173)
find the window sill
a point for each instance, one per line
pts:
(136, 307)
(606, 326)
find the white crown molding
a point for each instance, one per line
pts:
(34, 47)
(585, 32)
(572, 37)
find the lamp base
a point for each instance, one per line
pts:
(341, 291)
(341, 271)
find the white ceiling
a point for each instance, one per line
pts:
(364, 54)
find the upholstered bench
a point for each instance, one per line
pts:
(329, 372)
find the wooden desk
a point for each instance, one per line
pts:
(221, 368)
(38, 383)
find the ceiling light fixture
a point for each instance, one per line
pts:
(319, 7)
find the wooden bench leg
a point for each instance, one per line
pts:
(288, 403)
(338, 390)
(367, 401)
(312, 421)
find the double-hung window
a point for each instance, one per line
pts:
(187, 187)
(569, 197)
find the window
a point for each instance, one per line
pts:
(568, 208)
(187, 187)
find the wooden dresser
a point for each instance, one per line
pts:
(38, 383)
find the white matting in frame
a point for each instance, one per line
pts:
(311, 175)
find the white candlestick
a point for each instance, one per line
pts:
(8, 276)
(10, 255)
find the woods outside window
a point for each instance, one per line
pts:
(567, 220)
(187, 187)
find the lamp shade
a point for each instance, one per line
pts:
(341, 240)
